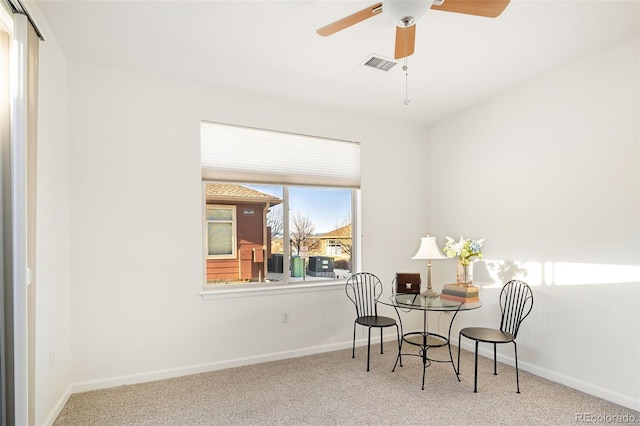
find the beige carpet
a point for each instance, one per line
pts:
(334, 389)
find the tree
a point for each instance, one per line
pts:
(275, 221)
(301, 232)
(344, 237)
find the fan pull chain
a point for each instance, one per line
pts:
(405, 68)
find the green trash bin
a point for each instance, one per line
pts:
(297, 266)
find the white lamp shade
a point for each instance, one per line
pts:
(428, 249)
(397, 10)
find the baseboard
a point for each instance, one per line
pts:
(597, 391)
(238, 362)
(202, 368)
(57, 409)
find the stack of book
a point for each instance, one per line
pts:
(460, 293)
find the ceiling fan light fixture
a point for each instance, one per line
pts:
(405, 13)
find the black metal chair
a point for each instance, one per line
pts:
(364, 289)
(516, 302)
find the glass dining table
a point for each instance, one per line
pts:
(424, 340)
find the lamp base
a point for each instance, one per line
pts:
(430, 294)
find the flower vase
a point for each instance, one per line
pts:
(464, 274)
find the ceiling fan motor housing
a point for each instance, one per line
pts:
(405, 13)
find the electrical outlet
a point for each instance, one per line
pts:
(52, 359)
(285, 317)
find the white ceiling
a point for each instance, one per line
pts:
(270, 48)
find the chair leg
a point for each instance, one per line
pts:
(515, 351)
(495, 360)
(353, 348)
(368, 348)
(399, 344)
(475, 375)
(459, 344)
(381, 341)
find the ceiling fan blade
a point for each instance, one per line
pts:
(486, 8)
(405, 41)
(350, 20)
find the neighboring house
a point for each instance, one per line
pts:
(337, 244)
(238, 241)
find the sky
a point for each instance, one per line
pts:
(328, 208)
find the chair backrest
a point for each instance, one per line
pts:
(364, 289)
(516, 302)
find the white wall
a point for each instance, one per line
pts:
(53, 327)
(549, 173)
(136, 233)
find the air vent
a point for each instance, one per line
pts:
(379, 63)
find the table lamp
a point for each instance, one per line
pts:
(428, 250)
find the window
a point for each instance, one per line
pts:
(277, 218)
(334, 248)
(221, 231)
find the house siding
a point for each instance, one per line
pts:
(249, 263)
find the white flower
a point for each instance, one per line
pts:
(463, 249)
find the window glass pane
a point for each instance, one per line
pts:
(220, 238)
(275, 232)
(320, 233)
(247, 238)
(240, 225)
(219, 214)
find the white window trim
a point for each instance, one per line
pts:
(231, 291)
(234, 291)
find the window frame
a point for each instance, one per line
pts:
(234, 230)
(239, 289)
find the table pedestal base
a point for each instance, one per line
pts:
(424, 342)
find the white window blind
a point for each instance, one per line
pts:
(235, 153)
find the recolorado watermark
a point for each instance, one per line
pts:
(605, 418)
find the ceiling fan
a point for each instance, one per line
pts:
(405, 14)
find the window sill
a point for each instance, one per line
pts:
(263, 289)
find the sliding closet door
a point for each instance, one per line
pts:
(18, 138)
(33, 42)
(6, 376)
(23, 162)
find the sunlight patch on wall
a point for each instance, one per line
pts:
(494, 273)
(565, 273)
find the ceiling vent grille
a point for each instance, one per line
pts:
(379, 63)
